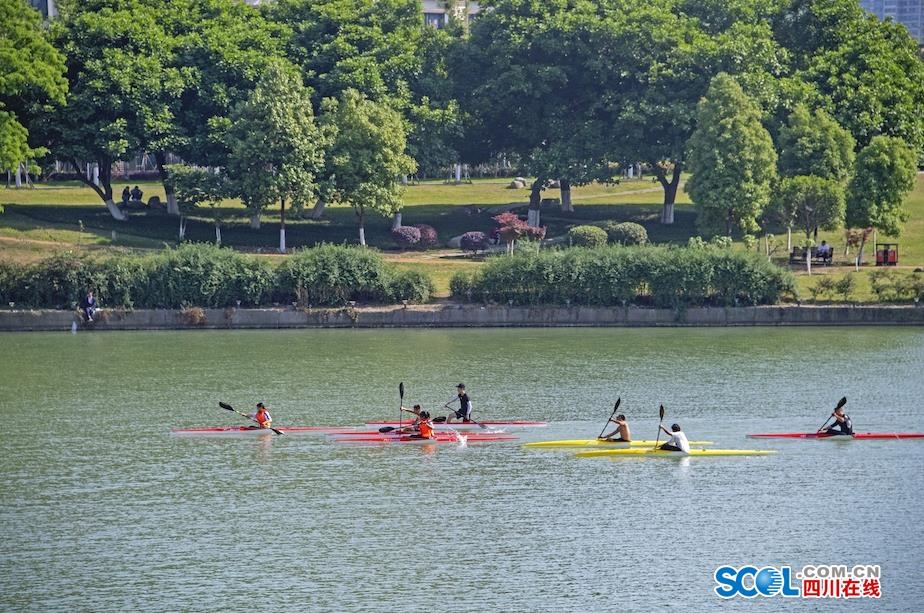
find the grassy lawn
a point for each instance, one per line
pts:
(68, 215)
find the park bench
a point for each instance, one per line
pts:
(798, 256)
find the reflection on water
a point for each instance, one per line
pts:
(103, 510)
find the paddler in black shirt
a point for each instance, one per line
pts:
(842, 422)
(465, 406)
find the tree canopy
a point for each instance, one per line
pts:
(31, 75)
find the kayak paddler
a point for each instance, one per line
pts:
(622, 430)
(424, 426)
(677, 441)
(262, 416)
(412, 427)
(842, 422)
(465, 405)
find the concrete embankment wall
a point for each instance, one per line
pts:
(460, 316)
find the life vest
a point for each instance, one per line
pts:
(426, 429)
(263, 418)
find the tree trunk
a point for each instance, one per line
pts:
(18, 174)
(360, 214)
(172, 207)
(318, 209)
(396, 221)
(788, 240)
(566, 206)
(182, 227)
(100, 181)
(218, 234)
(670, 190)
(255, 221)
(535, 199)
(282, 225)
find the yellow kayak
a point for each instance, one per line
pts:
(596, 442)
(651, 452)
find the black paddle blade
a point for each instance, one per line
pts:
(439, 420)
(661, 412)
(401, 390)
(841, 402)
(616, 406)
(387, 429)
(226, 406)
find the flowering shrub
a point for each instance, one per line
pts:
(473, 241)
(406, 236)
(428, 237)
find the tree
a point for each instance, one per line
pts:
(220, 47)
(815, 144)
(810, 202)
(732, 160)
(884, 174)
(866, 73)
(367, 155)
(121, 87)
(276, 147)
(31, 74)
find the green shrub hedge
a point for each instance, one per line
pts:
(612, 276)
(586, 236)
(207, 276)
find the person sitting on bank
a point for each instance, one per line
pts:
(88, 306)
(677, 441)
(842, 425)
(621, 433)
(824, 251)
(262, 416)
(137, 193)
(126, 196)
(424, 427)
(465, 406)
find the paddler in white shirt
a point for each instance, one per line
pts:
(677, 441)
(622, 430)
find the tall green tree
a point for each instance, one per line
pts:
(366, 45)
(276, 146)
(732, 159)
(809, 202)
(884, 174)
(121, 87)
(219, 48)
(866, 73)
(815, 144)
(31, 76)
(367, 155)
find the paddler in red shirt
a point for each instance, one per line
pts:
(262, 416)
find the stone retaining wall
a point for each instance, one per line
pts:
(453, 315)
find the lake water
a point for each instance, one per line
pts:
(102, 509)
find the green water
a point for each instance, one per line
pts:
(102, 509)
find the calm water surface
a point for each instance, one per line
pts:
(102, 509)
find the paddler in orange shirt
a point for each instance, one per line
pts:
(262, 416)
(424, 427)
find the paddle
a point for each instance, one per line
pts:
(400, 404)
(660, 421)
(437, 420)
(840, 403)
(615, 408)
(228, 407)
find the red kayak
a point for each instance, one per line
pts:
(857, 435)
(441, 437)
(257, 430)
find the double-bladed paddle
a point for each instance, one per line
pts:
(840, 403)
(660, 421)
(615, 408)
(228, 407)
